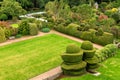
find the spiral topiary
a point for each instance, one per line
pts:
(87, 45)
(72, 48)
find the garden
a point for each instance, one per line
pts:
(93, 21)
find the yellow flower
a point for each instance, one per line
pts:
(114, 10)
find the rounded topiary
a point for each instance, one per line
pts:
(87, 45)
(72, 58)
(45, 30)
(72, 48)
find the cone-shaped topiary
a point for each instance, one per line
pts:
(72, 48)
(87, 45)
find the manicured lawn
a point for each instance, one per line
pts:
(29, 58)
(110, 70)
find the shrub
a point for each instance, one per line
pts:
(3, 17)
(39, 24)
(71, 58)
(72, 28)
(105, 39)
(24, 28)
(33, 29)
(106, 52)
(72, 48)
(2, 35)
(7, 32)
(87, 45)
(86, 35)
(45, 30)
(116, 17)
(99, 32)
(61, 28)
(31, 20)
(18, 36)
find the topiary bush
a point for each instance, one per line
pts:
(87, 45)
(99, 32)
(71, 58)
(89, 53)
(33, 29)
(71, 29)
(46, 30)
(86, 35)
(74, 69)
(3, 17)
(2, 35)
(72, 48)
(24, 27)
(72, 63)
(106, 38)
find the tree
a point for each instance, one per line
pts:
(11, 8)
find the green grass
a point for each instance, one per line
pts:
(15, 25)
(110, 70)
(29, 58)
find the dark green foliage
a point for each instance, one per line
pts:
(18, 36)
(71, 58)
(88, 54)
(24, 28)
(3, 17)
(116, 17)
(77, 66)
(72, 49)
(33, 29)
(2, 35)
(87, 45)
(45, 30)
(99, 32)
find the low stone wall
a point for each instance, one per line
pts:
(50, 75)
